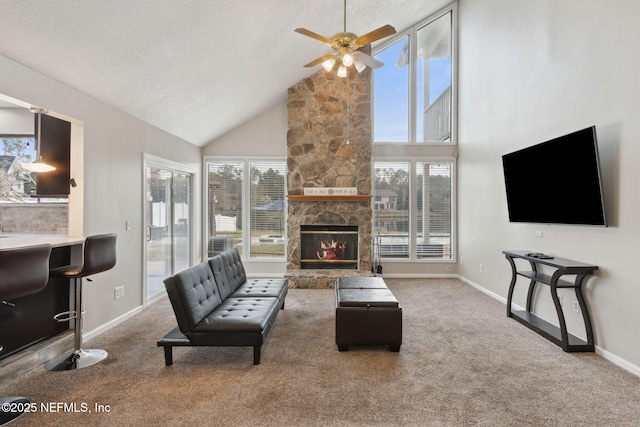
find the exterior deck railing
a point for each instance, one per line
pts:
(437, 118)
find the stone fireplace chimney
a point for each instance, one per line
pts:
(329, 145)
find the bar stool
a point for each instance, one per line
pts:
(99, 255)
(23, 271)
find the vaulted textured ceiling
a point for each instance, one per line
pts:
(194, 68)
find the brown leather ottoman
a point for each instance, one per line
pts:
(367, 313)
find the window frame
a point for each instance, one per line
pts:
(246, 161)
(411, 33)
(413, 206)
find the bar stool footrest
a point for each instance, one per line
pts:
(71, 315)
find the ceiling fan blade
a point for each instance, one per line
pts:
(313, 35)
(380, 33)
(320, 60)
(367, 60)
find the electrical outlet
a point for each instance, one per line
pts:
(118, 292)
(481, 268)
(127, 225)
(576, 306)
(538, 233)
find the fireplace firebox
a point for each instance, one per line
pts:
(329, 247)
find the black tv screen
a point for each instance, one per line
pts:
(556, 182)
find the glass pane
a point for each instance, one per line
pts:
(391, 209)
(224, 206)
(159, 238)
(181, 224)
(17, 184)
(433, 81)
(434, 222)
(267, 209)
(391, 94)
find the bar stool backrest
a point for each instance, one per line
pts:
(23, 271)
(99, 254)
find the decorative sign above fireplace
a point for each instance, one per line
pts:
(329, 247)
(330, 191)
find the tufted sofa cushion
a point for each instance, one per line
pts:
(193, 295)
(241, 315)
(263, 288)
(228, 271)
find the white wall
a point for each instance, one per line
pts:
(264, 135)
(530, 71)
(16, 121)
(111, 187)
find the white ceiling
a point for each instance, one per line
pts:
(194, 68)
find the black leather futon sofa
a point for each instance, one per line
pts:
(216, 305)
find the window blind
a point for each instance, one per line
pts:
(224, 205)
(267, 207)
(391, 206)
(434, 213)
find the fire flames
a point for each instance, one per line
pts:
(331, 250)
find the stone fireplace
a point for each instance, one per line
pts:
(328, 145)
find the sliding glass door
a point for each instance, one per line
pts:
(169, 213)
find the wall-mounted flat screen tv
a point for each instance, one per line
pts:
(556, 182)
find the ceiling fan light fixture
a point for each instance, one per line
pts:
(347, 60)
(359, 65)
(342, 71)
(328, 64)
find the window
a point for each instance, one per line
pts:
(391, 209)
(413, 209)
(16, 184)
(413, 101)
(434, 229)
(246, 206)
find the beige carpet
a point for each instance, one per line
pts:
(462, 363)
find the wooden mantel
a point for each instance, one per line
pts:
(327, 198)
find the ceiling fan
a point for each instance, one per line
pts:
(346, 45)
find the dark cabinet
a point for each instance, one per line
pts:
(29, 319)
(55, 149)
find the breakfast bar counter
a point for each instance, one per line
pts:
(19, 240)
(28, 320)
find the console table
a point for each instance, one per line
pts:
(563, 267)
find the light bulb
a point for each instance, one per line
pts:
(347, 60)
(359, 65)
(328, 64)
(342, 71)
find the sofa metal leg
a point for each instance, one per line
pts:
(394, 348)
(256, 354)
(168, 355)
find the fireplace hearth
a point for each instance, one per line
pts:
(329, 247)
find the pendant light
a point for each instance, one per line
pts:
(39, 165)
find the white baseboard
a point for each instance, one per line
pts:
(624, 364)
(419, 276)
(618, 361)
(94, 333)
(483, 290)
